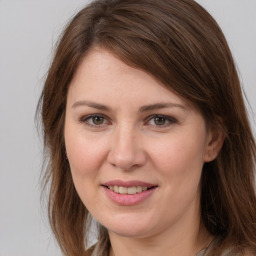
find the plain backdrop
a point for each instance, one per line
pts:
(28, 32)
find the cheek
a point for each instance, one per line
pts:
(84, 154)
(179, 166)
(179, 157)
(85, 159)
(179, 154)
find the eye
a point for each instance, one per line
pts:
(95, 120)
(161, 120)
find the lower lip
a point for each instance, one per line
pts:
(128, 200)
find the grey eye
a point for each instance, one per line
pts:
(159, 120)
(97, 120)
(94, 120)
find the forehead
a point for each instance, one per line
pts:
(102, 75)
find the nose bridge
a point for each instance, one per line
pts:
(126, 150)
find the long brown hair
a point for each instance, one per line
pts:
(181, 45)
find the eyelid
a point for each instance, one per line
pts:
(171, 120)
(107, 121)
(84, 120)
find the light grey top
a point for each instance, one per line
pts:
(101, 249)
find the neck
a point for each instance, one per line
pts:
(186, 244)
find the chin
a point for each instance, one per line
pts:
(129, 222)
(129, 232)
(129, 228)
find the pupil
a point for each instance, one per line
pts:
(97, 120)
(159, 121)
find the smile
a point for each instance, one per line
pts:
(128, 190)
(129, 193)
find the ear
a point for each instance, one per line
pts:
(214, 143)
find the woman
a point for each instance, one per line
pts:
(146, 130)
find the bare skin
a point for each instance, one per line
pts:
(123, 126)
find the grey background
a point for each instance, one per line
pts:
(28, 32)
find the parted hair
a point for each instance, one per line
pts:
(181, 45)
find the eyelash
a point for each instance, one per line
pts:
(86, 120)
(167, 119)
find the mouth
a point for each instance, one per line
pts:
(129, 190)
(128, 193)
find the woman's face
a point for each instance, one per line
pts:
(135, 148)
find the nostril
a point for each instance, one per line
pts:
(121, 160)
(126, 159)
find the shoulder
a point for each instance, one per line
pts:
(89, 251)
(101, 248)
(249, 254)
(216, 248)
(232, 251)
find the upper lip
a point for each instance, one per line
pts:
(131, 183)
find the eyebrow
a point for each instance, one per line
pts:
(145, 108)
(160, 106)
(90, 104)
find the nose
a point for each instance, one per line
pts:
(127, 150)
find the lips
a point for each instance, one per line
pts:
(128, 192)
(132, 183)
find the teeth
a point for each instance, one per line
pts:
(139, 189)
(128, 191)
(132, 190)
(122, 190)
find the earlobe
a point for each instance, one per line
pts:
(215, 141)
